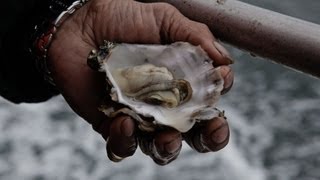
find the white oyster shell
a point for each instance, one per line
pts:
(128, 65)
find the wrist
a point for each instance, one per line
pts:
(58, 12)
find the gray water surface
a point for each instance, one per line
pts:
(273, 112)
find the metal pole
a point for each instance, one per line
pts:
(283, 39)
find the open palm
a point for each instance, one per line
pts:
(131, 22)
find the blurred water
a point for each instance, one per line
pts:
(273, 112)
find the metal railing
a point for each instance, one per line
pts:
(280, 38)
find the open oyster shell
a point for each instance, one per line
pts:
(173, 85)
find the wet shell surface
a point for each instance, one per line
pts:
(173, 85)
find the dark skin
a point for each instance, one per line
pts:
(131, 22)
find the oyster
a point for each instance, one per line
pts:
(173, 85)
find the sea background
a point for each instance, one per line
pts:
(274, 114)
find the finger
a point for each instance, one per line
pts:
(199, 34)
(212, 135)
(163, 147)
(177, 27)
(228, 77)
(167, 146)
(121, 142)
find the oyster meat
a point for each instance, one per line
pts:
(173, 85)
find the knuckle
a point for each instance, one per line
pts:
(166, 11)
(204, 27)
(164, 7)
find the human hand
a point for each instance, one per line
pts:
(130, 22)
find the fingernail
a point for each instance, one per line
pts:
(112, 156)
(227, 88)
(228, 82)
(160, 162)
(223, 51)
(229, 60)
(127, 127)
(220, 134)
(172, 146)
